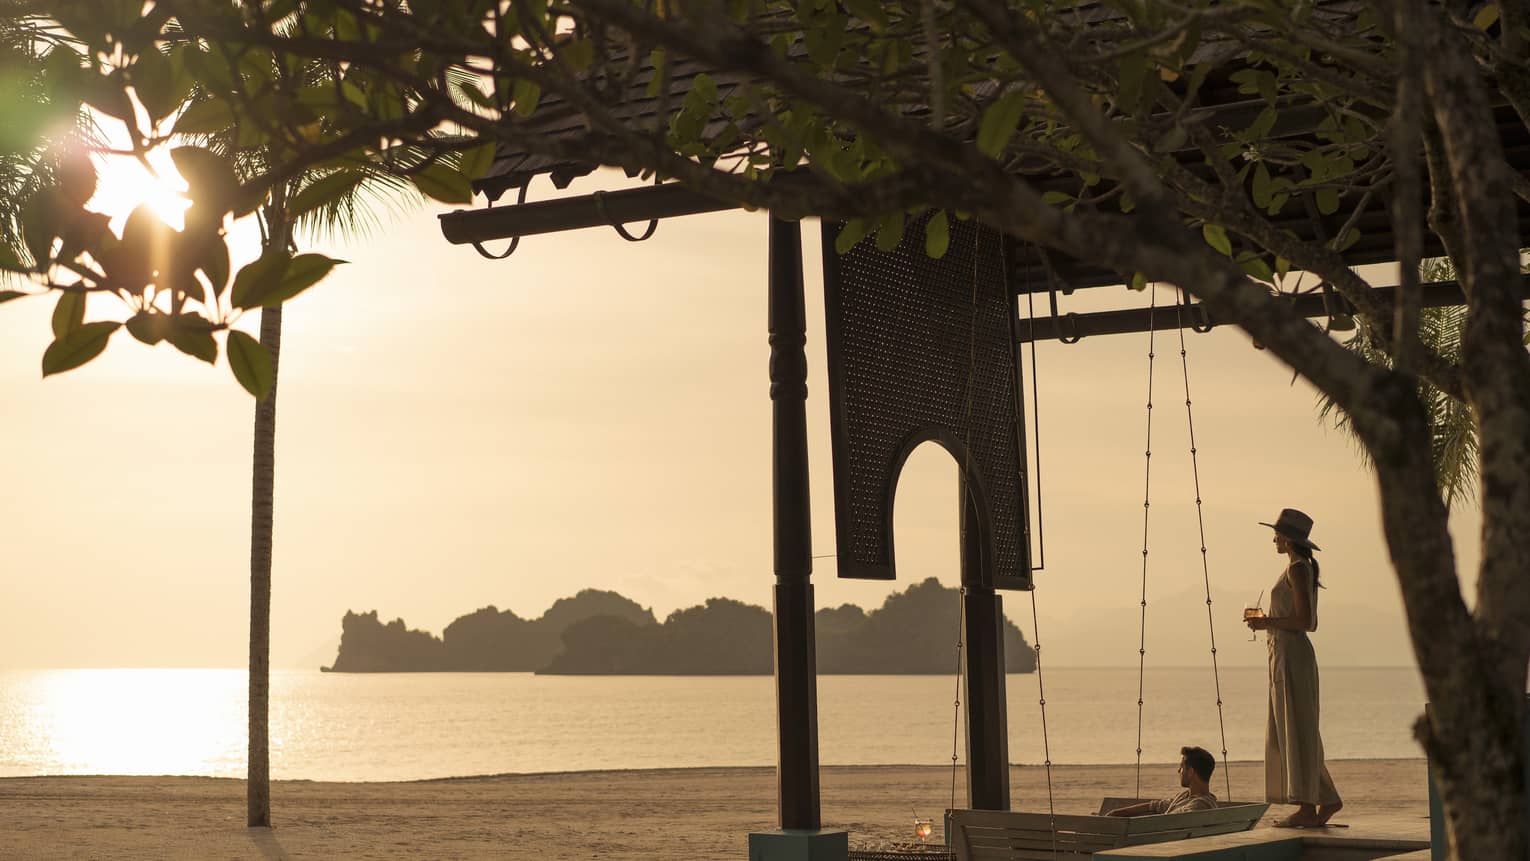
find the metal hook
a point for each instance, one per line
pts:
(1073, 336)
(600, 207)
(515, 241)
(1200, 321)
(1341, 314)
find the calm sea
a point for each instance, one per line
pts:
(413, 726)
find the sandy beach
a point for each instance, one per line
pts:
(678, 813)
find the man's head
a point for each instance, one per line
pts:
(1195, 766)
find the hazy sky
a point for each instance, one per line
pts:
(455, 432)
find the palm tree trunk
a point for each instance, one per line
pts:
(258, 789)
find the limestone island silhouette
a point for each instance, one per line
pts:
(604, 633)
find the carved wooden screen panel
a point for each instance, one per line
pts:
(924, 349)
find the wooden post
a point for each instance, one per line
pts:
(796, 668)
(987, 722)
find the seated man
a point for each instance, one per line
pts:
(1195, 768)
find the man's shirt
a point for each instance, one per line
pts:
(1184, 803)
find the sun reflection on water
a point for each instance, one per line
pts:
(140, 721)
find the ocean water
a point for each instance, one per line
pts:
(416, 726)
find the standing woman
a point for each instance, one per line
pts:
(1294, 772)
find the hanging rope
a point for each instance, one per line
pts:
(956, 705)
(1147, 484)
(1041, 688)
(1200, 520)
(1046, 744)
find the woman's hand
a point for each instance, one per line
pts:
(1258, 623)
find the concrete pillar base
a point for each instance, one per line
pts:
(791, 844)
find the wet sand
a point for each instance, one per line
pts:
(676, 813)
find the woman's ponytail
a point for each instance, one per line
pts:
(1306, 553)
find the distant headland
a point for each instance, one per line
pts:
(604, 633)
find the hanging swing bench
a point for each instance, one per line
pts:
(1009, 835)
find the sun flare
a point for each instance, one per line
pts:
(123, 184)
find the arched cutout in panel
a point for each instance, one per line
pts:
(924, 349)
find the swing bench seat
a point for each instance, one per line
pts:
(1010, 835)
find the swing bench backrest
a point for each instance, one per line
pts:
(1009, 835)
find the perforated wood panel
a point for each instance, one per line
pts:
(923, 349)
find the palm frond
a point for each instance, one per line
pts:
(1453, 429)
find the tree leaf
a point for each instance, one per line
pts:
(211, 177)
(851, 234)
(77, 347)
(258, 278)
(105, 94)
(193, 337)
(303, 271)
(1486, 17)
(155, 81)
(1328, 201)
(147, 327)
(251, 364)
(577, 54)
(323, 191)
(39, 226)
(1255, 266)
(8, 295)
(1262, 190)
(213, 261)
(442, 182)
(69, 313)
(471, 90)
(476, 161)
(937, 235)
(209, 116)
(525, 96)
(999, 122)
(1216, 237)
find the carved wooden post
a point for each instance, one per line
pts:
(796, 670)
(987, 722)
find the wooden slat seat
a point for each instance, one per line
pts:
(1010, 835)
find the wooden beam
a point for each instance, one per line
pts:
(1070, 326)
(601, 209)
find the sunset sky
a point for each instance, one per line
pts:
(592, 413)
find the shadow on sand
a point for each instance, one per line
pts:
(265, 841)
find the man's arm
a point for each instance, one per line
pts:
(1143, 808)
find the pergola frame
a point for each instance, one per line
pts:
(793, 610)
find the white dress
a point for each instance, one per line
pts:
(1294, 772)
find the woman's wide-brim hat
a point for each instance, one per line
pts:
(1294, 526)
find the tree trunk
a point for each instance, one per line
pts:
(258, 789)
